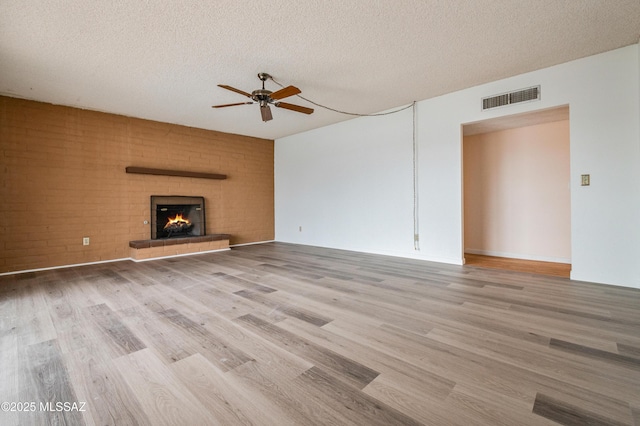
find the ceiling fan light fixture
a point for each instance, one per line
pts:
(266, 112)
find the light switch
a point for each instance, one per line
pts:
(586, 180)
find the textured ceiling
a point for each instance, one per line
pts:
(162, 60)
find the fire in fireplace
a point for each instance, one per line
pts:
(177, 216)
(177, 225)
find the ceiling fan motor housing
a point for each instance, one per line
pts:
(261, 95)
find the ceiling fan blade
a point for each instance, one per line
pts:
(233, 89)
(228, 105)
(285, 93)
(266, 113)
(293, 107)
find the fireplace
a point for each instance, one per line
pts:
(177, 216)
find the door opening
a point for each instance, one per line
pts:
(516, 189)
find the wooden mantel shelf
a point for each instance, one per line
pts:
(181, 173)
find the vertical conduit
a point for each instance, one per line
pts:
(416, 230)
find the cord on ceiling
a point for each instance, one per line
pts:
(345, 112)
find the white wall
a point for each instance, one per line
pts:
(350, 185)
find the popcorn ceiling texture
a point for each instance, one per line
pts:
(161, 59)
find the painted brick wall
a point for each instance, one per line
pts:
(63, 178)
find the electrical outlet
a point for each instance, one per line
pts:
(586, 180)
(85, 241)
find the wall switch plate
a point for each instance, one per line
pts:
(586, 180)
(299, 228)
(85, 241)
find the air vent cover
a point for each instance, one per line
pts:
(523, 95)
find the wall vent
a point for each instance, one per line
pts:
(523, 95)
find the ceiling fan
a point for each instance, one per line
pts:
(266, 97)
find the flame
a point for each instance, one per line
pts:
(177, 220)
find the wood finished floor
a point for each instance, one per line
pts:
(562, 270)
(281, 334)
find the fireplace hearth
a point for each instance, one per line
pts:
(177, 216)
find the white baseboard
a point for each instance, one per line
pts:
(25, 271)
(178, 255)
(250, 244)
(518, 256)
(51, 268)
(415, 254)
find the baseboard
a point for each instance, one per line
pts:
(415, 254)
(50, 268)
(418, 255)
(178, 255)
(518, 256)
(250, 244)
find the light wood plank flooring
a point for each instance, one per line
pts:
(281, 334)
(562, 270)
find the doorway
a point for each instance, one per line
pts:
(516, 191)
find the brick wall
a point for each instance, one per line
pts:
(63, 178)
